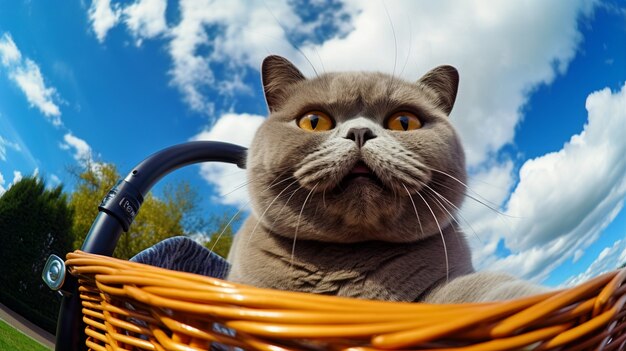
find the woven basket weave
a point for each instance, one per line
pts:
(131, 306)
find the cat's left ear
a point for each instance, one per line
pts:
(444, 80)
(278, 74)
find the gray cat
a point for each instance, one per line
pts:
(354, 180)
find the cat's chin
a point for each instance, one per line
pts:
(360, 181)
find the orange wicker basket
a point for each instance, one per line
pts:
(132, 306)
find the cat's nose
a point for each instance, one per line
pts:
(360, 135)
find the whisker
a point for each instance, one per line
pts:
(391, 83)
(278, 176)
(285, 205)
(241, 208)
(289, 40)
(265, 211)
(443, 240)
(441, 206)
(233, 172)
(408, 55)
(414, 208)
(238, 187)
(249, 181)
(325, 78)
(502, 217)
(444, 208)
(465, 185)
(219, 236)
(491, 207)
(320, 59)
(458, 212)
(295, 236)
(395, 45)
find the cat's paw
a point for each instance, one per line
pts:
(483, 287)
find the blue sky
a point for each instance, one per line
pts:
(541, 107)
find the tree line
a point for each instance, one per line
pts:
(36, 221)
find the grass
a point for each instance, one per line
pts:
(11, 339)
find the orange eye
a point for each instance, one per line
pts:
(403, 121)
(315, 121)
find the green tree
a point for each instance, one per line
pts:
(92, 185)
(34, 222)
(158, 218)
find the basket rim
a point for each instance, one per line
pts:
(555, 318)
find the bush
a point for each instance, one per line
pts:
(34, 222)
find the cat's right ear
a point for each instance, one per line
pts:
(277, 74)
(444, 80)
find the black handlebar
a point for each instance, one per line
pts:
(124, 200)
(118, 210)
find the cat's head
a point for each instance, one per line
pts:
(355, 156)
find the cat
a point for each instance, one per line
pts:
(354, 181)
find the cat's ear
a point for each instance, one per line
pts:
(444, 80)
(278, 74)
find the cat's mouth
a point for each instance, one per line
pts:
(360, 173)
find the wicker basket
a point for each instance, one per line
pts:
(131, 306)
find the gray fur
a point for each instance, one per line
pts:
(311, 231)
(371, 269)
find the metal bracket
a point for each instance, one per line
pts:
(53, 273)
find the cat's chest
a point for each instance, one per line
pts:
(372, 270)
(362, 271)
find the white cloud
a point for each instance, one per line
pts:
(4, 145)
(233, 128)
(508, 56)
(27, 75)
(578, 254)
(501, 58)
(81, 150)
(30, 80)
(608, 260)
(146, 18)
(103, 17)
(2, 181)
(54, 180)
(9, 53)
(17, 176)
(565, 199)
(248, 31)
